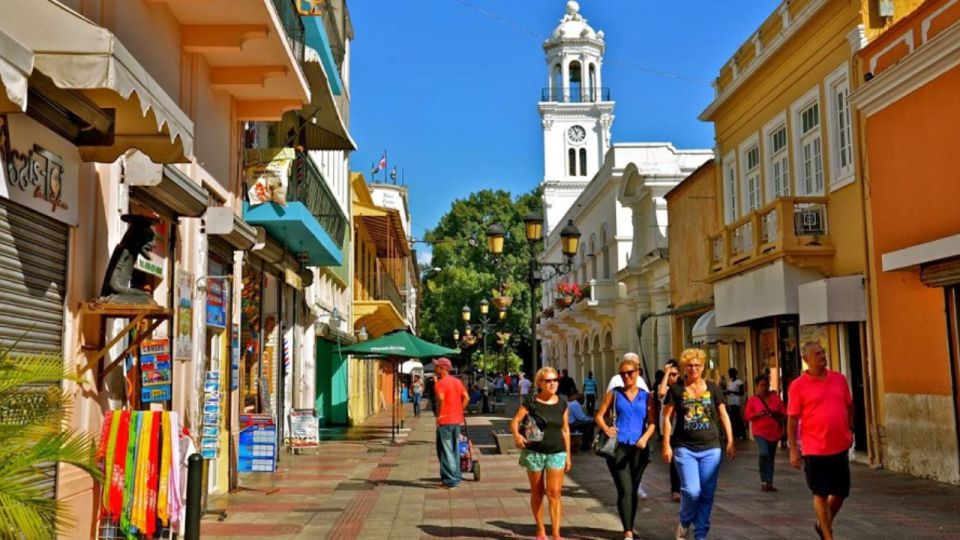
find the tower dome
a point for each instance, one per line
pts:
(574, 26)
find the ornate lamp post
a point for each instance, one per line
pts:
(483, 327)
(533, 230)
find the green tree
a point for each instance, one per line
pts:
(32, 414)
(468, 274)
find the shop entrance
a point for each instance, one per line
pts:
(858, 387)
(952, 295)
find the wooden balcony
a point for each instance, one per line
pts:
(792, 227)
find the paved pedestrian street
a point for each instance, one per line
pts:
(359, 485)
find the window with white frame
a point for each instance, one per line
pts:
(751, 177)
(730, 209)
(840, 128)
(809, 144)
(778, 162)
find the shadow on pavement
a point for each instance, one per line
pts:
(569, 533)
(467, 532)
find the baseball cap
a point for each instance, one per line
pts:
(443, 362)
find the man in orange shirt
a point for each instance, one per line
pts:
(452, 399)
(821, 406)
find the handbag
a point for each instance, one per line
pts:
(603, 444)
(529, 428)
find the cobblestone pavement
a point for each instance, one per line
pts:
(359, 485)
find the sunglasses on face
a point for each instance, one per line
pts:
(628, 373)
(672, 374)
(694, 366)
(549, 381)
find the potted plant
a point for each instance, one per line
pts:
(568, 293)
(500, 299)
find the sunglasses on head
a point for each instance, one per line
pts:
(628, 372)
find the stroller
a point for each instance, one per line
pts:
(468, 453)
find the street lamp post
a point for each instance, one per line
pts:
(533, 230)
(483, 327)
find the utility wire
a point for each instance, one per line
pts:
(519, 27)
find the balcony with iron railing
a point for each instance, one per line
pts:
(292, 26)
(787, 227)
(587, 94)
(310, 187)
(380, 286)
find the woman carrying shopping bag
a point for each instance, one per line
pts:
(634, 425)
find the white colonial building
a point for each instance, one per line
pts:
(614, 196)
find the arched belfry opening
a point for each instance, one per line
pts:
(576, 82)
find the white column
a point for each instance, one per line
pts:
(565, 75)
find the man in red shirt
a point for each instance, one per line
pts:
(452, 399)
(821, 405)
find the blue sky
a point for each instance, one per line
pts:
(449, 88)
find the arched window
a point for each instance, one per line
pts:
(557, 84)
(576, 82)
(572, 154)
(605, 254)
(583, 162)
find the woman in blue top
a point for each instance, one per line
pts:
(634, 425)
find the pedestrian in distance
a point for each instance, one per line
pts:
(524, 386)
(567, 385)
(548, 460)
(452, 399)
(580, 421)
(671, 376)
(416, 391)
(634, 425)
(430, 389)
(766, 415)
(590, 393)
(700, 415)
(819, 402)
(733, 392)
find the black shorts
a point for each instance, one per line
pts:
(828, 475)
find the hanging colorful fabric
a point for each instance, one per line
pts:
(140, 483)
(108, 457)
(163, 493)
(115, 503)
(176, 490)
(129, 474)
(153, 475)
(104, 436)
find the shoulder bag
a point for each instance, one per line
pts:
(603, 444)
(528, 427)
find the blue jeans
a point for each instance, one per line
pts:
(448, 453)
(698, 481)
(767, 450)
(416, 403)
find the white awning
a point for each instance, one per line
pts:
(76, 54)
(833, 300)
(705, 330)
(410, 366)
(16, 63)
(762, 292)
(326, 130)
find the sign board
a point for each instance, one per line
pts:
(217, 302)
(304, 429)
(155, 370)
(38, 168)
(183, 338)
(258, 443)
(234, 357)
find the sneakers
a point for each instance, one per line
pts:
(640, 492)
(767, 487)
(681, 532)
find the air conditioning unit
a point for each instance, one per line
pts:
(886, 8)
(810, 221)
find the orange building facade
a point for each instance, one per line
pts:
(909, 109)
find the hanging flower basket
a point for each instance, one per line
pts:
(565, 301)
(502, 302)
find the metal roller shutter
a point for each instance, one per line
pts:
(33, 267)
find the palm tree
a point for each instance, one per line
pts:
(33, 410)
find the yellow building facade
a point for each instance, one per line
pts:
(787, 253)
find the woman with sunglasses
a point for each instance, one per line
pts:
(635, 423)
(700, 414)
(548, 460)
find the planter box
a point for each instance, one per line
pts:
(505, 442)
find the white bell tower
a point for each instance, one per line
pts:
(576, 113)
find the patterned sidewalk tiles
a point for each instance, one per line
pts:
(360, 486)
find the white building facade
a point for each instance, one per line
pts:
(613, 193)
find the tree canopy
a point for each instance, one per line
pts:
(469, 274)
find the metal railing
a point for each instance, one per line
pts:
(572, 95)
(380, 286)
(292, 26)
(309, 187)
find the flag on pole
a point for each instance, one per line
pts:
(381, 165)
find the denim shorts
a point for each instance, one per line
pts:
(536, 462)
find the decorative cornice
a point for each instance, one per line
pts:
(565, 110)
(857, 38)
